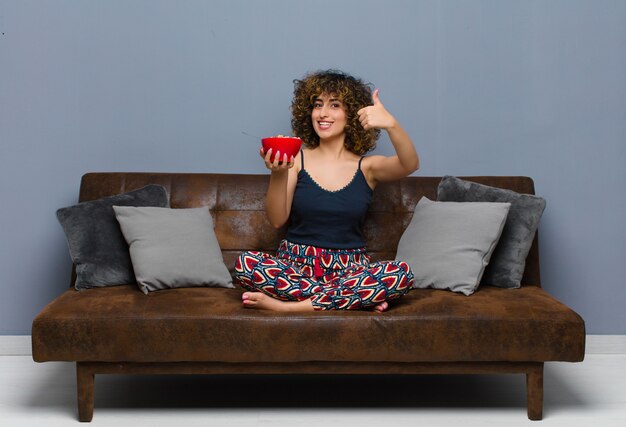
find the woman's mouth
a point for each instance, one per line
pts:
(324, 125)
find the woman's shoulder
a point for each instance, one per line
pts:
(367, 162)
(298, 161)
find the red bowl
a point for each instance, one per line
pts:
(284, 144)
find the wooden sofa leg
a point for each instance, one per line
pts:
(534, 392)
(85, 383)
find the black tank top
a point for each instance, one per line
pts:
(329, 219)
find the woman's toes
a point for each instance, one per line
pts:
(382, 306)
(249, 299)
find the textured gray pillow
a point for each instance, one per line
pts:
(509, 258)
(173, 248)
(448, 244)
(95, 241)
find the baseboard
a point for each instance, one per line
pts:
(19, 345)
(15, 345)
(606, 344)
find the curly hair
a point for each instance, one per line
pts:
(353, 93)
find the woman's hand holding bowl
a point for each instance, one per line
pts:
(275, 165)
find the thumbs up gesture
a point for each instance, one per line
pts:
(376, 116)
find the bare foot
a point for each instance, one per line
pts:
(265, 302)
(382, 306)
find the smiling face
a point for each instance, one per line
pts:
(328, 116)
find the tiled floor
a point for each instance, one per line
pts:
(590, 393)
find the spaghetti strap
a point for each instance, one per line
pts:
(360, 160)
(302, 159)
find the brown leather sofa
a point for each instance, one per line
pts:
(119, 330)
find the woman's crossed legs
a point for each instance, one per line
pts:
(277, 284)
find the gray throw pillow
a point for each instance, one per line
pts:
(509, 258)
(173, 248)
(448, 244)
(96, 244)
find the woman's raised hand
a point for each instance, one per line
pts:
(376, 116)
(278, 164)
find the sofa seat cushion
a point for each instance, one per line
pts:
(120, 324)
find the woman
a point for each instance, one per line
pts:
(324, 193)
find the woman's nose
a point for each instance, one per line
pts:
(324, 111)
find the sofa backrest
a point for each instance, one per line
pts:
(236, 203)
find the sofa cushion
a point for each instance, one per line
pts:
(506, 267)
(96, 244)
(209, 324)
(448, 244)
(172, 248)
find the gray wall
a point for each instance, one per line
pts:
(533, 88)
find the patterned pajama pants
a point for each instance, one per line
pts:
(334, 279)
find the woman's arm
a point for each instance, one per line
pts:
(406, 160)
(280, 191)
